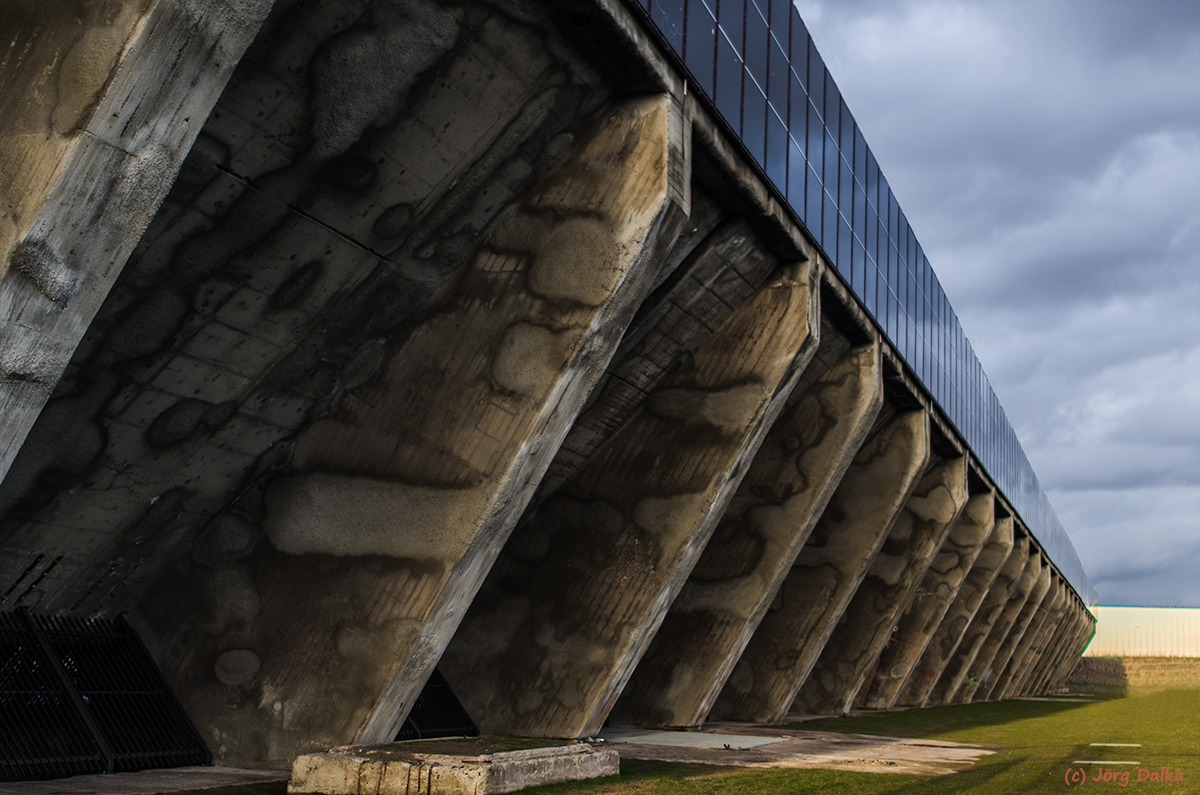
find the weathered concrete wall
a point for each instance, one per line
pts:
(1004, 637)
(432, 270)
(1007, 676)
(992, 623)
(827, 571)
(868, 621)
(935, 593)
(1004, 555)
(589, 576)
(1076, 629)
(406, 493)
(987, 670)
(102, 102)
(767, 523)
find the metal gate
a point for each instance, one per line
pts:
(84, 696)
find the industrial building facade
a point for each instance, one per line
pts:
(577, 350)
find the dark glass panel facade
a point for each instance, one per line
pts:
(668, 16)
(759, 68)
(700, 44)
(756, 52)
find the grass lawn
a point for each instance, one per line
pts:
(1036, 742)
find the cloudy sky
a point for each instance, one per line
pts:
(1047, 154)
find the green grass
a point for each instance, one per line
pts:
(1036, 743)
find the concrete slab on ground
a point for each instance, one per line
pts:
(807, 749)
(686, 739)
(398, 769)
(146, 782)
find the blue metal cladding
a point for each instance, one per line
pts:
(756, 64)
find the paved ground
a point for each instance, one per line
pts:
(739, 744)
(145, 782)
(751, 746)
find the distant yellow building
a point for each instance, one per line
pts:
(1146, 632)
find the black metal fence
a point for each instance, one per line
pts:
(84, 696)
(437, 712)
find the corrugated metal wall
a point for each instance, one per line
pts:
(1146, 632)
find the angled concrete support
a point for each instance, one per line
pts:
(827, 571)
(987, 631)
(1009, 679)
(997, 552)
(767, 523)
(1054, 629)
(987, 668)
(102, 102)
(934, 595)
(1071, 648)
(1087, 632)
(1069, 631)
(394, 506)
(870, 618)
(588, 577)
(1054, 647)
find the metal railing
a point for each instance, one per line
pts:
(84, 696)
(757, 66)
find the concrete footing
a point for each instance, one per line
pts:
(394, 770)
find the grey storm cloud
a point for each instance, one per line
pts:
(1047, 155)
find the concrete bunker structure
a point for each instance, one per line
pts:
(341, 340)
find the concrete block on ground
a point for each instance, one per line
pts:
(767, 523)
(827, 571)
(394, 769)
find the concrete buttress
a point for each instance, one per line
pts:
(1070, 628)
(1009, 675)
(989, 662)
(994, 619)
(827, 571)
(589, 575)
(935, 593)
(395, 504)
(1046, 647)
(1063, 629)
(767, 523)
(1004, 556)
(868, 621)
(996, 649)
(101, 103)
